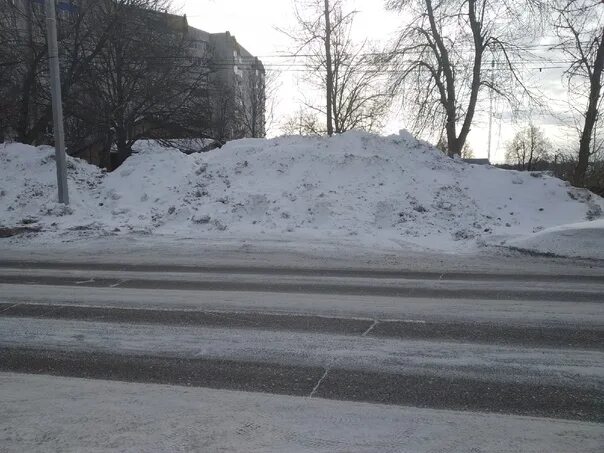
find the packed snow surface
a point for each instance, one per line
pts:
(64, 414)
(578, 239)
(376, 190)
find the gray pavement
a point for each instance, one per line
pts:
(570, 275)
(473, 332)
(572, 389)
(495, 289)
(341, 384)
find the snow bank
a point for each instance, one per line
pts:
(391, 191)
(583, 240)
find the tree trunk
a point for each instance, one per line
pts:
(105, 153)
(476, 75)
(25, 113)
(123, 150)
(329, 75)
(448, 93)
(531, 147)
(453, 147)
(591, 116)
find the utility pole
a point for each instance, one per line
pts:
(57, 102)
(491, 108)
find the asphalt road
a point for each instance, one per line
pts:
(572, 289)
(475, 332)
(508, 344)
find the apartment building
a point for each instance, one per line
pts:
(230, 68)
(238, 75)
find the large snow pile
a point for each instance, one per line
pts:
(374, 189)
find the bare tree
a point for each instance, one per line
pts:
(225, 121)
(350, 79)
(23, 61)
(467, 152)
(10, 59)
(252, 102)
(143, 81)
(126, 74)
(442, 57)
(329, 72)
(256, 100)
(580, 27)
(303, 122)
(81, 36)
(528, 147)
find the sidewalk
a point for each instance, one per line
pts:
(41, 413)
(168, 251)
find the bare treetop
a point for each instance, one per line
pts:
(354, 90)
(449, 53)
(580, 27)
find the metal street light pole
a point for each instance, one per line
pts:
(57, 103)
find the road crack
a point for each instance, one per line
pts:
(115, 285)
(314, 390)
(8, 308)
(371, 327)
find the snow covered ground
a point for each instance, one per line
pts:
(388, 192)
(43, 413)
(567, 240)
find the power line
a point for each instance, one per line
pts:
(226, 63)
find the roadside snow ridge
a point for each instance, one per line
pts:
(387, 190)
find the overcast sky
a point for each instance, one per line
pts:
(254, 23)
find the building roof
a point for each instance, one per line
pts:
(173, 22)
(477, 161)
